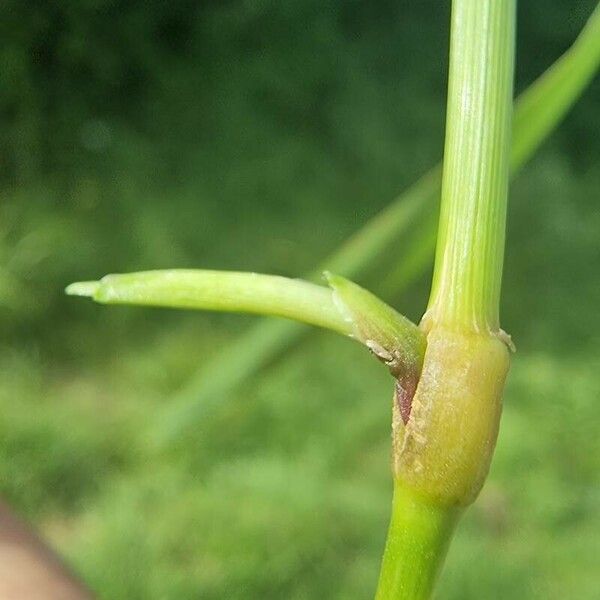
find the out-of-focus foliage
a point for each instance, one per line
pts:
(258, 135)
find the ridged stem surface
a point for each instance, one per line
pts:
(470, 248)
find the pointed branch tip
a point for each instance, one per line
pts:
(83, 288)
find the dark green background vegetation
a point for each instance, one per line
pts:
(258, 135)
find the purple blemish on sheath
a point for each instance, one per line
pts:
(405, 391)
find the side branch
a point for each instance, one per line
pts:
(345, 307)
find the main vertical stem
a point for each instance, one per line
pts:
(468, 265)
(417, 543)
(442, 454)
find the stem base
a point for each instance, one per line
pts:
(417, 543)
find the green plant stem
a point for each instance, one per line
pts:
(470, 249)
(228, 291)
(537, 113)
(442, 453)
(344, 307)
(418, 538)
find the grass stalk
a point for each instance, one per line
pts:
(226, 291)
(443, 451)
(422, 532)
(465, 291)
(344, 307)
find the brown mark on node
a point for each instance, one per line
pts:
(406, 383)
(404, 394)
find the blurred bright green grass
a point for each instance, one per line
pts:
(285, 493)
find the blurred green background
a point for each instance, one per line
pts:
(258, 135)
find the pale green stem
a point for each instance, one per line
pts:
(418, 538)
(538, 111)
(470, 248)
(465, 298)
(344, 307)
(227, 291)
